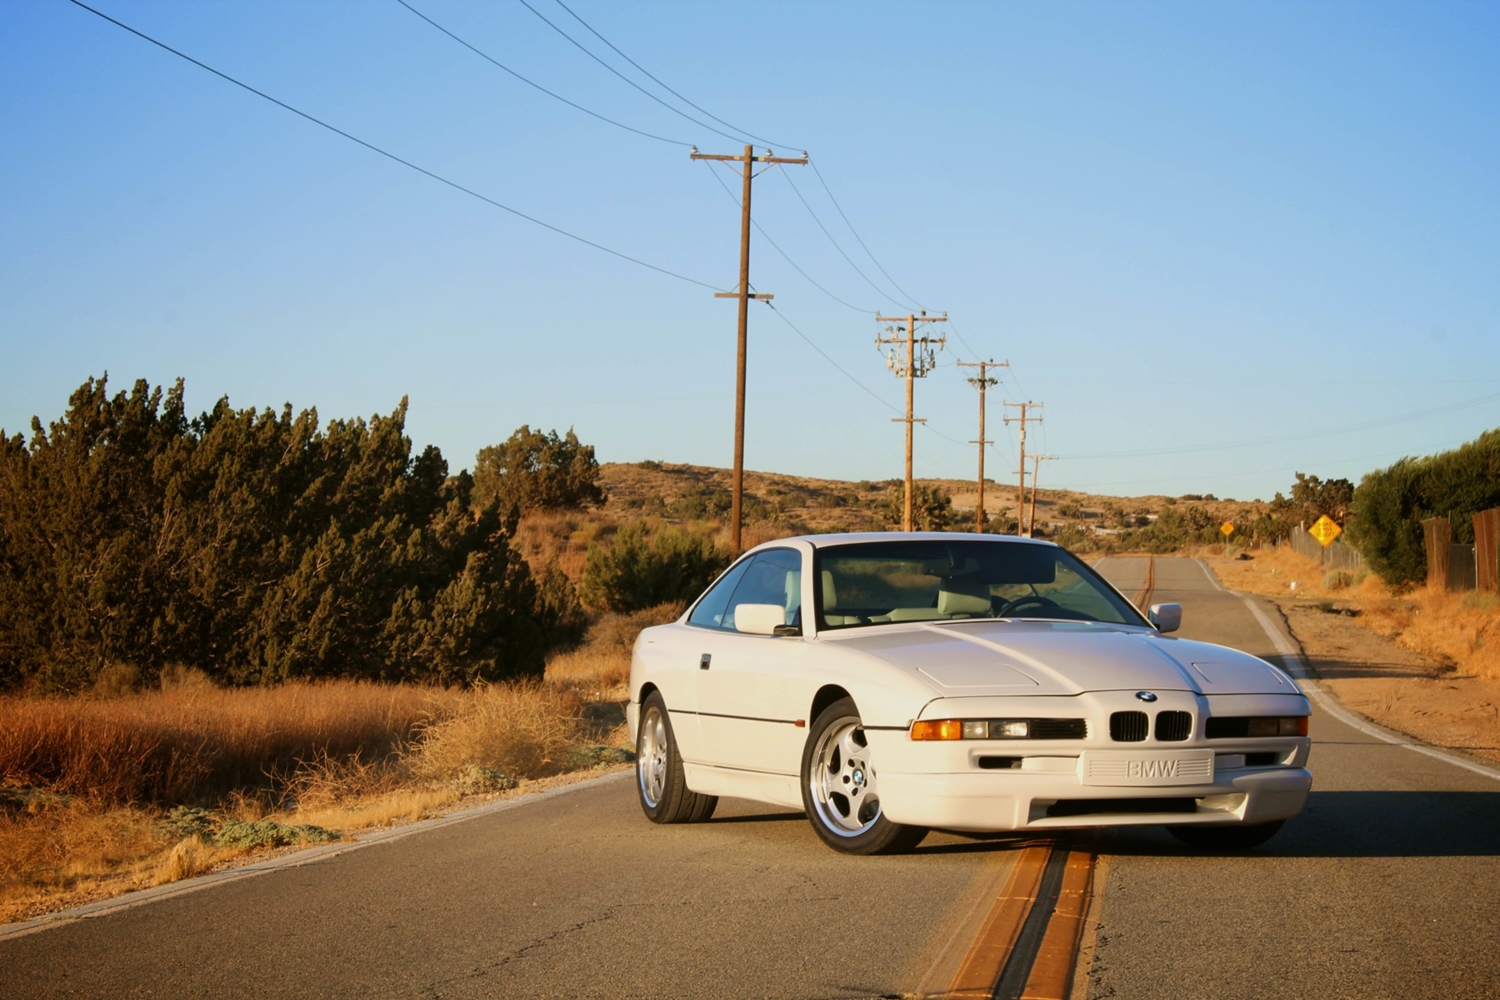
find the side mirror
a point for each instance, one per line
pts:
(759, 619)
(1166, 617)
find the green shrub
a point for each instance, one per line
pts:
(257, 546)
(558, 610)
(1174, 529)
(1339, 579)
(269, 833)
(531, 470)
(635, 571)
(1391, 503)
(931, 508)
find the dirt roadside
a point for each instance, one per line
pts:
(1434, 697)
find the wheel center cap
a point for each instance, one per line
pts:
(859, 776)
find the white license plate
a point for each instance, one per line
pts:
(1143, 767)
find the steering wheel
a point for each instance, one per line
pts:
(1027, 601)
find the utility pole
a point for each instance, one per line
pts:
(1036, 466)
(1021, 488)
(748, 160)
(982, 383)
(920, 359)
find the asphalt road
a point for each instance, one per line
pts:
(576, 895)
(1386, 886)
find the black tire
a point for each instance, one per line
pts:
(836, 772)
(1226, 838)
(659, 783)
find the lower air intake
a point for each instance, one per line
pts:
(1108, 807)
(1127, 727)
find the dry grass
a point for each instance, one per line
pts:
(593, 668)
(198, 744)
(1459, 629)
(85, 783)
(523, 730)
(62, 854)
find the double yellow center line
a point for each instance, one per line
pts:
(1027, 946)
(1148, 589)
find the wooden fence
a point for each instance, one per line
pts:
(1464, 567)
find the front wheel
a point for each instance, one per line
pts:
(1226, 838)
(840, 791)
(663, 791)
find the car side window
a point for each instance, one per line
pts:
(710, 611)
(773, 577)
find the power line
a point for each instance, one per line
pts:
(821, 180)
(580, 46)
(783, 253)
(826, 357)
(532, 83)
(844, 372)
(961, 338)
(883, 293)
(1282, 439)
(1336, 463)
(392, 156)
(819, 174)
(740, 131)
(668, 89)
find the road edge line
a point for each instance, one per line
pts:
(296, 859)
(1296, 659)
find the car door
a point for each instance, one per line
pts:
(754, 691)
(681, 653)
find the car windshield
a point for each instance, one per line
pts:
(874, 583)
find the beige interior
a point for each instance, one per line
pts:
(969, 596)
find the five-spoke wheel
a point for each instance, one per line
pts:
(664, 794)
(840, 787)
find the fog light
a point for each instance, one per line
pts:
(1010, 729)
(976, 730)
(937, 729)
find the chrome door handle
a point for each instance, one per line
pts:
(704, 660)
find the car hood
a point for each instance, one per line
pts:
(987, 658)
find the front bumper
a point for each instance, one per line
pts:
(1018, 800)
(989, 785)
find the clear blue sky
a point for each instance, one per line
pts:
(1187, 226)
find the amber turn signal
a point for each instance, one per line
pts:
(938, 729)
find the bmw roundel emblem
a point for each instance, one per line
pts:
(1145, 696)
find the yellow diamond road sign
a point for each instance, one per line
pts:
(1325, 531)
(1227, 527)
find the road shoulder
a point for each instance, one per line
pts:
(1388, 692)
(296, 857)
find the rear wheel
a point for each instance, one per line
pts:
(1226, 838)
(840, 791)
(664, 794)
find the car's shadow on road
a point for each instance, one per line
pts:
(776, 817)
(1333, 825)
(1360, 825)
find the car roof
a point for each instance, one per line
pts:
(855, 537)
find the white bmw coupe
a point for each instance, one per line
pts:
(887, 684)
